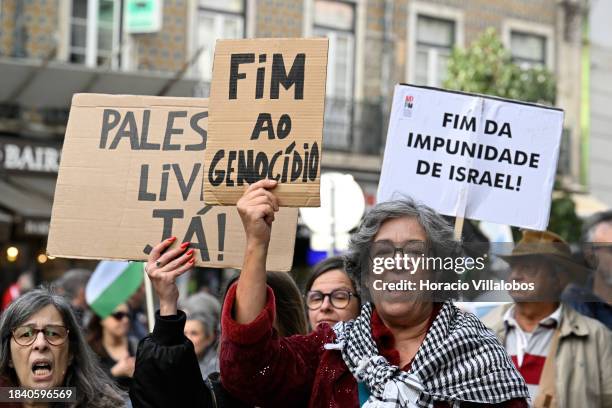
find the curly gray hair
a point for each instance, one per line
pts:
(439, 233)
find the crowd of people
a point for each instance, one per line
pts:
(337, 342)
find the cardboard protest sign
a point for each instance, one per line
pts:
(266, 119)
(472, 156)
(132, 173)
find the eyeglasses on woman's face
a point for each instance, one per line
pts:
(339, 298)
(388, 249)
(54, 335)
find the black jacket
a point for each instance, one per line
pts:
(167, 373)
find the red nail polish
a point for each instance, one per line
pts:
(189, 252)
(171, 239)
(192, 261)
(184, 245)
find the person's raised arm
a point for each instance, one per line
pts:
(255, 361)
(163, 267)
(167, 371)
(256, 208)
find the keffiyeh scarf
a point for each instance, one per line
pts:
(459, 360)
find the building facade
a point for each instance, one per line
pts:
(50, 49)
(600, 98)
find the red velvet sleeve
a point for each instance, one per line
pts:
(261, 368)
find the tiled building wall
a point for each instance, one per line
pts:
(28, 27)
(279, 18)
(41, 21)
(480, 14)
(373, 54)
(167, 49)
(400, 30)
(7, 26)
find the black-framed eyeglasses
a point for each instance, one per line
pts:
(387, 249)
(55, 335)
(120, 315)
(339, 298)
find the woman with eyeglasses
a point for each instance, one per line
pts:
(400, 351)
(108, 337)
(41, 346)
(330, 294)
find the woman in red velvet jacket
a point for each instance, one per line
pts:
(401, 351)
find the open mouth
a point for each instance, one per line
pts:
(42, 368)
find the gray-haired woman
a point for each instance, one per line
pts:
(202, 328)
(41, 346)
(401, 351)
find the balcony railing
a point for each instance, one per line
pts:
(353, 127)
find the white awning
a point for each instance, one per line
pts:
(52, 85)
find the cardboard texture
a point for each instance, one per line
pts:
(266, 119)
(472, 156)
(132, 174)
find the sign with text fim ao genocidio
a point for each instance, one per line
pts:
(132, 174)
(267, 101)
(472, 156)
